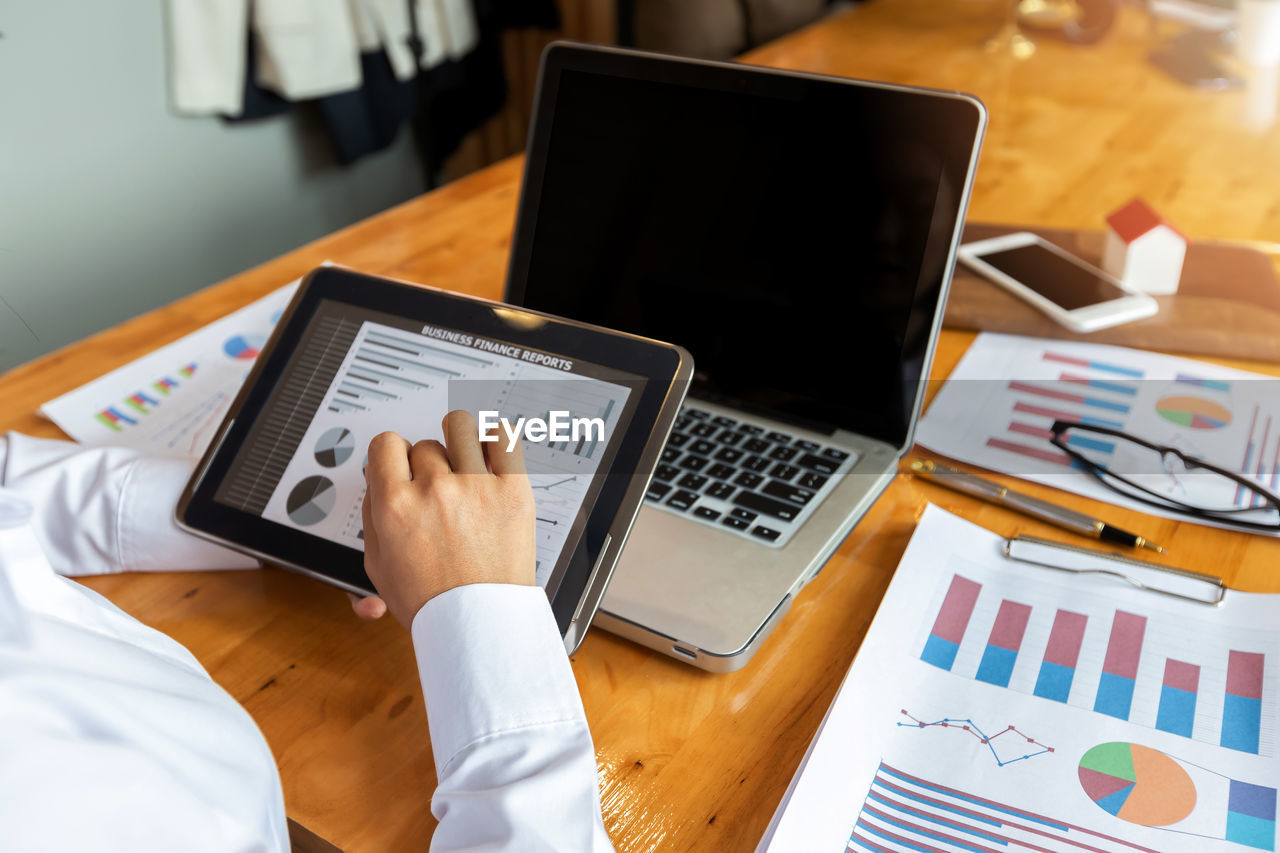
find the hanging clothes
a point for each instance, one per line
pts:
(302, 49)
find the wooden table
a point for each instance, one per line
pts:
(688, 759)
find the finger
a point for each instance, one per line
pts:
(462, 441)
(388, 461)
(428, 460)
(369, 608)
(369, 532)
(505, 462)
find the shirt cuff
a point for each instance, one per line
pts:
(491, 660)
(149, 537)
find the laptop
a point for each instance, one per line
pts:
(797, 234)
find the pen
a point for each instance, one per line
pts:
(1067, 519)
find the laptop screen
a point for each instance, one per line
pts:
(793, 233)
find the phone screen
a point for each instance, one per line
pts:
(1068, 285)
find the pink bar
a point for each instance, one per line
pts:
(1028, 388)
(1125, 646)
(1011, 624)
(1028, 429)
(956, 609)
(1066, 359)
(1047, 455)
(1244, 674)
(1183, 676)
(1065, 638)
(1029, 409)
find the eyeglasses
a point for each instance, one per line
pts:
(1166, 477)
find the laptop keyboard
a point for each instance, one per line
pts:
(744, 478)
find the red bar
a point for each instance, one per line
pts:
(1035, 452)
(1244, 674)
(1027, 388)
(1183, 676)
(1011, 624)
(1027, 408)
(1028, 429)
(1125, 646)
(1065, 638)
(1066, 359)
(956, 609)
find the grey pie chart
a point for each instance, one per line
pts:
(335, 446)
(311, 501)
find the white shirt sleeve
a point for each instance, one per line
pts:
(513, 753)
(112, 736)
(104, 510)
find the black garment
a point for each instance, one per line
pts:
(358, 123)
(457, 96)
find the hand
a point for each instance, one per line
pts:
(437, 517)
(368, 608)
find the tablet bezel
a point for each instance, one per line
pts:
(664, 369)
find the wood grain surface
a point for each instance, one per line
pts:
(690, 760)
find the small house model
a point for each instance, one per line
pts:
(1143, 250)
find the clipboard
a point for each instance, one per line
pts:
(1152, 577)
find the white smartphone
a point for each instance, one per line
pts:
(1071, 292)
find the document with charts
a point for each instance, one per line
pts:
(995, 706)
(997, 406)
(170, 401)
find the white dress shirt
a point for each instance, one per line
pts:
(113, 737)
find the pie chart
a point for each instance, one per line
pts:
(1137, 784)
(335, 447)
(311, 501)
(245, 347)
(1194, 412)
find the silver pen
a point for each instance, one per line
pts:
(1067, 519)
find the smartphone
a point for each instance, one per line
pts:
(1071, 292)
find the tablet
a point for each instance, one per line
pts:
(355, 355)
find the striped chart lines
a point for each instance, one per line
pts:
(903, 812)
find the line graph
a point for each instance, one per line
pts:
(970, 727)
(550, 486)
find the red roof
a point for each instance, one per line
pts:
(1137, 218)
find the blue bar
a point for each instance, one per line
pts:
(1251, 831)
(939, 652)
(1115, 696)
(1177, 712)
(1115, 368)
(1241, 723)
(1113, 386)
(1092, 443)
(1215, 384)
(1054, 681)
(1089, 420)
(996, 666)
(1099, 403)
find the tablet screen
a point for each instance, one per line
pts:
(357, 372)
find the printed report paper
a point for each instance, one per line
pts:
(996, 408)
(995, 706)
(171, 401)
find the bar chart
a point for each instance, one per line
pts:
(904, 811)
(1144, 668)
